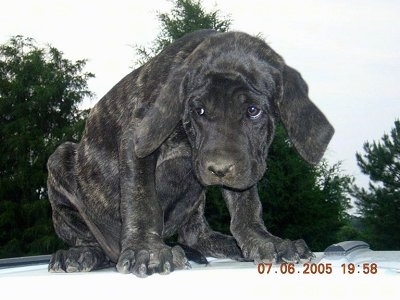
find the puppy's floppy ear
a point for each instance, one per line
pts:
(306, 125)
(162, 117)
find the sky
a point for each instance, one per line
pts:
(347, 51)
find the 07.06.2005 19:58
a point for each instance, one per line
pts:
(316, 268)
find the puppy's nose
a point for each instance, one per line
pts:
(220, 169)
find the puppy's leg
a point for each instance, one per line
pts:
(253, 238)
(85, 254)
(182, 198)
(197, 234)
(143, 251)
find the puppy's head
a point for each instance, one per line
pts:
(230, 121)
(228, 95)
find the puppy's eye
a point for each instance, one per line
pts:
(200, 111)
(253, 112)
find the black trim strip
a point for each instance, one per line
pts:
(24, 261)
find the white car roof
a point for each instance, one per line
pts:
(348, 270)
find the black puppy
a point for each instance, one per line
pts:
(200, 113)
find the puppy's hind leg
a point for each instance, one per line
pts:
(85, 253)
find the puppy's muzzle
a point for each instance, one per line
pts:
(222, 169)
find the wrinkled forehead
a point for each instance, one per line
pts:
(233, 71)
(232, 85)
(228, 86)
(221, 85)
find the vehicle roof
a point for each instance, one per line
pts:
(327, 276)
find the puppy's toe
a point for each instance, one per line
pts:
(126, 261)
(302, 249)
(141, 266)
(57, 262)
(287, 252)
(165, 262)
(179, 259)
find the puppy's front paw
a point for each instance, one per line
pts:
(260, 251)
(144, 262)
(277, 250)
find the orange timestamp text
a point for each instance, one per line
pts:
(316, 268)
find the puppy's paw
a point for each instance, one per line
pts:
(277, 250)
(144, 262)
(219, 245)
(261, 251)
(78, 259)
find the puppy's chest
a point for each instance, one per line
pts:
(175, 146)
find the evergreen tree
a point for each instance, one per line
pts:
(379, 206)
(186, 16)
(39, 94)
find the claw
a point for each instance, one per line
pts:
(142, 272)
(187, 265)
(166, 268)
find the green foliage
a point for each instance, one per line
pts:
(379, 206)
(216, 211)
(39, 94)
(186, 16)
(352, 230)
